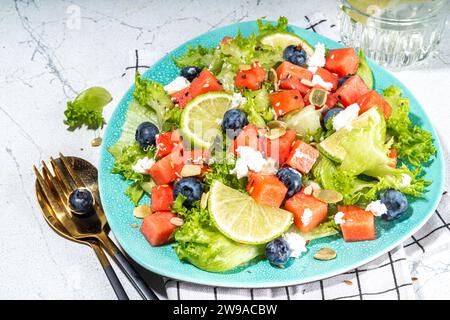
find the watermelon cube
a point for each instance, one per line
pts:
(157, 228)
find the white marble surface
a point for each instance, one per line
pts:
(50, 50)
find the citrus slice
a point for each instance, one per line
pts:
(283, 39)
(242, 219)
(202, 117)
(332, 148)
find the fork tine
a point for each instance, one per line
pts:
(72, 174)
(53, 183)
(46, 190)
(67, 183)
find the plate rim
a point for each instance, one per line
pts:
(272, 283)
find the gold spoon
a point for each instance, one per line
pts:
(49, 216)
(70, 174)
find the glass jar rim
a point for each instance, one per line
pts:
(435, 13)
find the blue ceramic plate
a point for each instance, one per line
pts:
(164, 261)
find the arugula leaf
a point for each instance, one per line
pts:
(87, 109)
(412, 142)
(152, 95)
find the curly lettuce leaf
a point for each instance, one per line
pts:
(257, 107)
(152, 95)
(201, 243)
(199, 56)
(219, 169)
(123, 165)
(412, 142)
(267, 27)
(87, 109)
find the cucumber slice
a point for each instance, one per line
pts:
(305, 121)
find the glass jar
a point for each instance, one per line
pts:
(394, 33)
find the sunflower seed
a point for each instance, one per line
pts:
(191, 170)
(275, 133)
(177, 221)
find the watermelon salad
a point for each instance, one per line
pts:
(263, 144)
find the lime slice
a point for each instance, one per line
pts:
(202, 117)
(283, 39)
(331, 147)
(242, 219)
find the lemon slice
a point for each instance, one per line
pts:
(283, 39)
(242, 219)
(202, 117)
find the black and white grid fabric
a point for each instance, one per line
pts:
(388, 277)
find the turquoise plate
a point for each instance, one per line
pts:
(164, 261)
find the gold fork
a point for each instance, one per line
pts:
(49, 216)
(57, 189)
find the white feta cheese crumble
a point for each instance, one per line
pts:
(306, 217)
(318, 58)
(270, 167)
(344, 118)
(339, 218)
(377, 208)
(318, 80)
(179, 83)
(296, 243)
(406, 180)
(143, 165)
(237, 100)
(248, 159)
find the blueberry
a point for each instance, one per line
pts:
(189, 187)
(233, 121)
(395, 202)
(295, 55)
(330, 114)
(278, 252)
(343, 79)
(146, 134)
(81, 201)
(190, 72)
(291, 178)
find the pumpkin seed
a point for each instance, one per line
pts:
(272, 77)
(191, 170)
(142, 211)
(325, 254)
(96, 142)
(204, 200)
(318, 97)
(275, 133)
(276, 124)
(327, 196)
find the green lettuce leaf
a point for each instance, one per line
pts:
(135, 192)
(267, 27)
(219, 169)
(152, 95)
(258, 108)
(201, 244)
(87, 109)
(197, 56)
(129, 155)
(412, 142)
